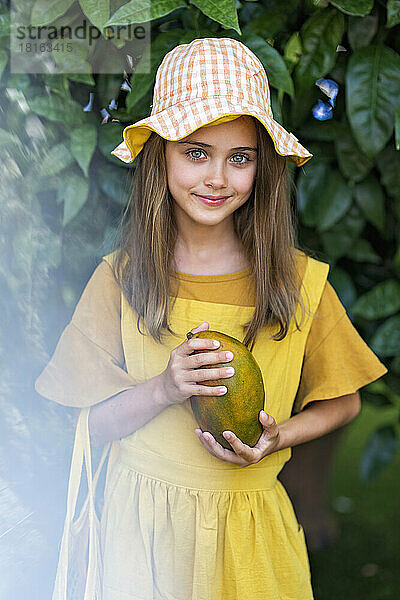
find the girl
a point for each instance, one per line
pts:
(208, 243)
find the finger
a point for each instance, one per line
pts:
(267, 421)
(245, 452)
(211, 444)
(202, 327)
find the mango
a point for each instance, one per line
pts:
(238, 409)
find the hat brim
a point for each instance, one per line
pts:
(178, 121)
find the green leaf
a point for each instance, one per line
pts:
(266, 25)
(98, 11)
(3, 61)
(86, 78)
(372, 96)
(369, 197)
(353, 164)
(358, 8)
(110, 136)
(4, 25)
(73, 193)
(343, 285)
(74, 61)
(142, 11)
(386, 341)
(83, 144)
(380, 451)
(56, 108)
(334, 202)
(388, 163)
(58, 84)
(339, 239)
(111, 182)
(59, 157)
(382, 301)
(362, 251)
(222, 11)
(7, 138)
(277, 71)
(293, 49)
(393, 13)
(320, 35)
(142, 82)
(362, 30)
(45, 12)
(397, 127)
(311, 183)
(395, 365)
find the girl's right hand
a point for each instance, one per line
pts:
(183, 372)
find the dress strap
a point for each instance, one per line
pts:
(79, 574)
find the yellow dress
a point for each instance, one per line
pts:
(178, 523)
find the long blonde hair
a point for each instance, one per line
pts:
(265, 224)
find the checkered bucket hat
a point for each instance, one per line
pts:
(209, 81)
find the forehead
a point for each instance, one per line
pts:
(241, 130)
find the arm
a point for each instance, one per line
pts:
(317, 419)
(127, 411)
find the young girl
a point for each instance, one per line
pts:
(209, 243)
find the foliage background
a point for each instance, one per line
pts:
(62, 193)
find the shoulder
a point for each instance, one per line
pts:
(313, 272)
(111, 258)
(306, 262)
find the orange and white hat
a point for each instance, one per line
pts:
(209, 81)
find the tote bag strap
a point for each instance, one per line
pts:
(81, 454)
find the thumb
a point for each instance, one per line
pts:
(266, 420)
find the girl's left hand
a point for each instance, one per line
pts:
(244, 455)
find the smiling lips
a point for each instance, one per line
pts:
(212, 200)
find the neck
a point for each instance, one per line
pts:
(209, 254)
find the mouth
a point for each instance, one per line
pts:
(212, 200)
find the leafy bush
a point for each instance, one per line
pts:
(63, 192)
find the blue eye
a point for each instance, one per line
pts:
(189, 155)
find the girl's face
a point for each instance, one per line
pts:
(217, 161)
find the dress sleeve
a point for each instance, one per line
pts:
(88, 364)
(337, 361)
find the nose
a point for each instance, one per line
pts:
(216, 175)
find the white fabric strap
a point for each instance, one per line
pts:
(71, 570)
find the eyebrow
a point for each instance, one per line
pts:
(193, 142)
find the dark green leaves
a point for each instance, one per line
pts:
(354, 7)
(369, 197)
(386, 341)
(380, 451)
(44, 12)
(83, 144)
(73, 193)
(275, 67)
(222, 11)
(324, 197)
(98, 11)
(383, 300)
(56, 108)
(141, 11)
(393, 13)
(372, 96)
(321, 34)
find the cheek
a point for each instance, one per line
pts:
(181, 175)
(244, 181)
